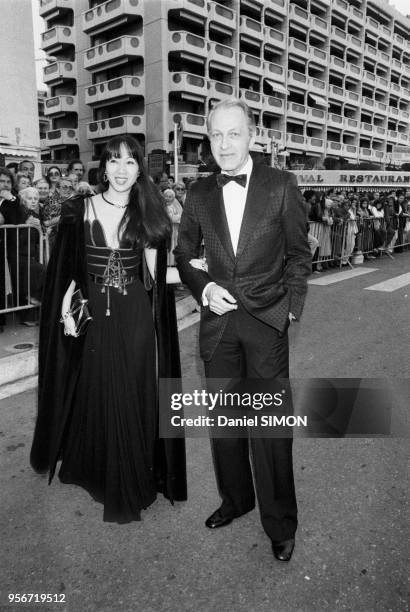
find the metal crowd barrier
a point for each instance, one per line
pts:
(366, 236)
(22, 249)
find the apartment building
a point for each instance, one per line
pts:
(324, 78)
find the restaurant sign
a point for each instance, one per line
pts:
(344, 178)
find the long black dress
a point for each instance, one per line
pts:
(97, 394)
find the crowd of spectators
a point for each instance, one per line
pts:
(368, 222)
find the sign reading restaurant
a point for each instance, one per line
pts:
(344, 178)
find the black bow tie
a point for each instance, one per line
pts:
(223, 179)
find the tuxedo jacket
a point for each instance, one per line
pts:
(268, 274)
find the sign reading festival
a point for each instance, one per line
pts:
(353, 178)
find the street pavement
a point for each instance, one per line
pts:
(352, 544)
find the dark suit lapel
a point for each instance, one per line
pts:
(255, 206)
(218, 219)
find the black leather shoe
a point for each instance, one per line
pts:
(219, 519)
(282, 551)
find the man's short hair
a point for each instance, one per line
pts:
(228, 103)
(72, 163)
(7, 173)
(26, 161)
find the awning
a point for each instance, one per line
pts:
(13, 151)
(319, 100)
(277, 87)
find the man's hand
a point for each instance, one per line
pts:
(7, 195)
(291, 317)
(220, 301)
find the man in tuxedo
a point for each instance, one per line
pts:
(252, 220)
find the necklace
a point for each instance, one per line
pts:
(113, 203)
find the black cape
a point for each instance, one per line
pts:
(60, 356)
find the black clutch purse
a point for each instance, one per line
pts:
(80, 312)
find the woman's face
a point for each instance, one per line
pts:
(24, 182)
(43, 190)
(31, 201)
(122, 172)
(169, 196)
(53, 175)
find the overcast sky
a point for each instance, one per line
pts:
(401, 5)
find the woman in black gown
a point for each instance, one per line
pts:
(98, 393)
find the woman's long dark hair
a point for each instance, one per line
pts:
(146, 220)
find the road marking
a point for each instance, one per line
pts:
(391, 284)
(337, 277)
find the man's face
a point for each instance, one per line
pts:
(5, 182)
(230, 139)
(78, 170)
(27, 168)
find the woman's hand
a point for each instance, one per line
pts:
(67, 319)
(199, 264)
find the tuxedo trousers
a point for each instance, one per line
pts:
(250, 348)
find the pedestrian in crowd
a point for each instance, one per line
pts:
(22, 181)
(60, 189)
(253, 223)
(376, 211)
(314, 228)
(97, 407)
(73, 178)
(76, 166)
(31, 270)
(27, 167)
(174, 210)
(43, 189)
(180, 192)
(9, 215)
(323, 213)
(13, 167)
(52, 176)
(93, 180)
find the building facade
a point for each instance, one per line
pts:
(324, 78)
(19, 127)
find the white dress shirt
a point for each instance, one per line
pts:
(234, 198)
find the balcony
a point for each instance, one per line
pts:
(336, 121)
(367, 128)
(299, 15)
(385, 32)
(399, 41)
(122, 87)
(337, 93)
(113, 52)
(274, 71)
(277, 6)
(60, 105)
(218, 90)
(351, 125)
(372, 26)
(341, 7)
(189, 8)
(369, 78)
(382, 107)
(251, 64)
(403, 137)
(319, 25)
(392, 135)
(274, 105)
(189, 46)
(368, 103)
(316, 115)
(297, 79)
(379, 132)
(337, 64)
(251, 29)
(370, 51)
(349, 151)
(222, 15)
(383, 58)
(252, 98)
(397, 65)
(316, 86)
(317, 57)
(382, 83)
(49, 9)
(339, 35)
(297, 111)
(111, 14)
(296, 141)
(114, 126)
(365, 153)
(58, 72)
(356, 15)
(62, 138)
(222, 56)
(353, 70)
(404, 116)
(274, 38)
(354, 41)
(57, 38)
(297, 47)
(352, 97)
(315, 145)
(187, 83)
(395, 88)
(193, 125)
(393, 112)
(334, 148)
